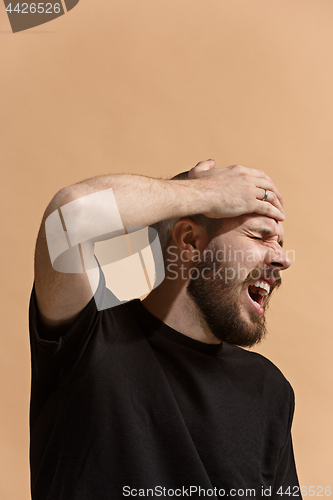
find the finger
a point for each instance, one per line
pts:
(276, 192)
(267, 183)
(269, 210)
(267, 196)
(260, 179)
(200, 168)
(264, 198)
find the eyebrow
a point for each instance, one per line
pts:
(266, 233)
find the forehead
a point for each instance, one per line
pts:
(253, 222)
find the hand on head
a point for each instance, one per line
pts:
(237, 190)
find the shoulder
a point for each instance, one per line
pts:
(260, 370)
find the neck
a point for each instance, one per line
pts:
(172, 304)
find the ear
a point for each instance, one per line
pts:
(190, 238)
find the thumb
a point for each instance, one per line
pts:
(200, 168)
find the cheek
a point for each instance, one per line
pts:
(246, 257)
(241, 263)
(254, 256)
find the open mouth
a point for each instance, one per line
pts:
(258, 292)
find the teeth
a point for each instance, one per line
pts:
(264, 287)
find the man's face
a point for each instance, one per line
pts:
(235, 278)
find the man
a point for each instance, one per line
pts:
(157, 399)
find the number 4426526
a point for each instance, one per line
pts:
(40, 8)
(311, 491)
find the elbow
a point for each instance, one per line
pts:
(61, 198)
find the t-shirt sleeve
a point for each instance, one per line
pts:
(286, 483)
(52, 348)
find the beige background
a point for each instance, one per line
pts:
(154, 86)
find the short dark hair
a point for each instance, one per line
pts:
(164, 228)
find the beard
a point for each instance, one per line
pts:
(220, 305)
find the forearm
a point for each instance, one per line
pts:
(133, 200)
(140, 200)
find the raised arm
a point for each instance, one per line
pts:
(115, 202)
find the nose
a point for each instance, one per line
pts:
(277, 258)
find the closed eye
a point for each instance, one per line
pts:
(264, 239)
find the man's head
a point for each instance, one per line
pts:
(230, 268)
(235, 278)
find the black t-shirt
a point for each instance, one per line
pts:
(123, 405)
